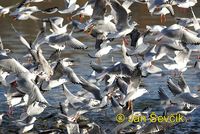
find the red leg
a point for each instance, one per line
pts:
(81, 18)
(125, 41)
(165, 19)
(161, 20)
(10, 111)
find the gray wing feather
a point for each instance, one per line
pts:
(90, 87)
(173, 88)
(72, 76)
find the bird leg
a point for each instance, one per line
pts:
(110, 95)
(98, 60)
(198, 57)
(90, 30)
(173, 73)
(180, 73)
(69, 18)
(27, 5)
(81, 16)
(129, 105)
(125, 41)
(29, 60)
(76, 117)
(112, 59)
(14, 18)
(163, 18)
(10, 111)
(14, 84)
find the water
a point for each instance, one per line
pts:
(140, 14)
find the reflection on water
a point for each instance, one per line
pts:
(140, 14)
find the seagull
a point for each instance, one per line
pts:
(3, 50)
(133, 90)
(102, 51)
(181, 34)
(6, 10)
(24, 2)
(184, 3)
(56, 54)
(181, 60)
(15, 98)
(1, 118)
(70, 6)
(26, 85)
(99, 10)
(58, 21)
(75, 101)
(134, 35)
(92, 77)
(171, 107)
(182, 97)
(11, 65)
(163, 12)
(25, 13)
(48, 85)
(33, 46)
(141, 48)
(44, 63)
(186, 22)
(58, 30)
(97, 68)
(62, 68)
(26, 126)
(154, 127)
(105, 49)
(164, 5)
(65, 38)
(36, 108)
(123, 24)
(92, 88)
(25, 16)
(101, 23)
(195, 21)
(85, 10)
(126, 4)
(73, 106)
(50, 10)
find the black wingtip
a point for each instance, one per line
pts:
(91, 56)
